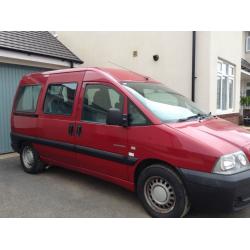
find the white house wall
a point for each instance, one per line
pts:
(173, 48)
(175, 52)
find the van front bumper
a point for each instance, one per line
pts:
(215, 191)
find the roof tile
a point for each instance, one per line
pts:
(41, 43)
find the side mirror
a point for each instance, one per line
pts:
(115, 117)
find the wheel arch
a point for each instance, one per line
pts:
(17, 141)
(21, 144)
(148, 162)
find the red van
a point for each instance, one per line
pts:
(133, 131)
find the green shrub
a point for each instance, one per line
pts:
(245, 101)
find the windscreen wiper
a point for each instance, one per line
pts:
(200, 116)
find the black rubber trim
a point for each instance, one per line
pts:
(106, 155)
(127, 160)
(222, 192)
(26, 114)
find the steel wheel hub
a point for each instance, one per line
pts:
(28, 157)
(159, 194)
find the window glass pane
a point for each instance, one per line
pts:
(230, 82)
(225, 86)
(54, 90)
(116, 99)
(224, 69)
(248, 43)
(164, 103)
(27, 98)
(231, 70)
(135, 117)
(224, 93)
(219, 67)
(59, 99)
(98, 99)
(218, 92)
(160, 96)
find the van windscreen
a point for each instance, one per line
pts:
(164, 103)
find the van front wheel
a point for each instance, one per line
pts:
(30, 159)
(162, 192)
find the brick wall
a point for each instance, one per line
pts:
(233, 117)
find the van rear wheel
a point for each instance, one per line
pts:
(162, 192)
(30, 159)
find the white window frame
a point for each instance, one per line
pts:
(228, 76)
(248, 43)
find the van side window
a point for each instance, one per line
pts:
(135, 116)
(98, 99)
(27, 98)
(59, 99)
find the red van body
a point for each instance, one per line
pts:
(119, 154)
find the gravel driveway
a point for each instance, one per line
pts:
(63, 193)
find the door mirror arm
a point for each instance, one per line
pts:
(125, 120)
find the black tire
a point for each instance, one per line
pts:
(36, 165)
(171, 194)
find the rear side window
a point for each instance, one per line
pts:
(27, 98)
(60, 98)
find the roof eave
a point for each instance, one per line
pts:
(40, 54)
(245, 65)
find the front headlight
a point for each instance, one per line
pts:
(232, 163)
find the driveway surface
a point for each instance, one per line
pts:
(63, 193)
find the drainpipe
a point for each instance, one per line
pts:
(193, 64)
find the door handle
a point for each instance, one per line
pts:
(71, 129)
(78, 130)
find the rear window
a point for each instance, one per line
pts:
(60, 98)
(27, 98)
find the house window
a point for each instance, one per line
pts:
(225, 86)
(248, 42)
(247, 90)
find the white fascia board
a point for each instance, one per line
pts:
(245, 72)
(7, 56)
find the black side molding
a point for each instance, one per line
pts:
(106, 155)
(16, 139)
(26, 114)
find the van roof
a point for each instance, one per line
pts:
(118, 74)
